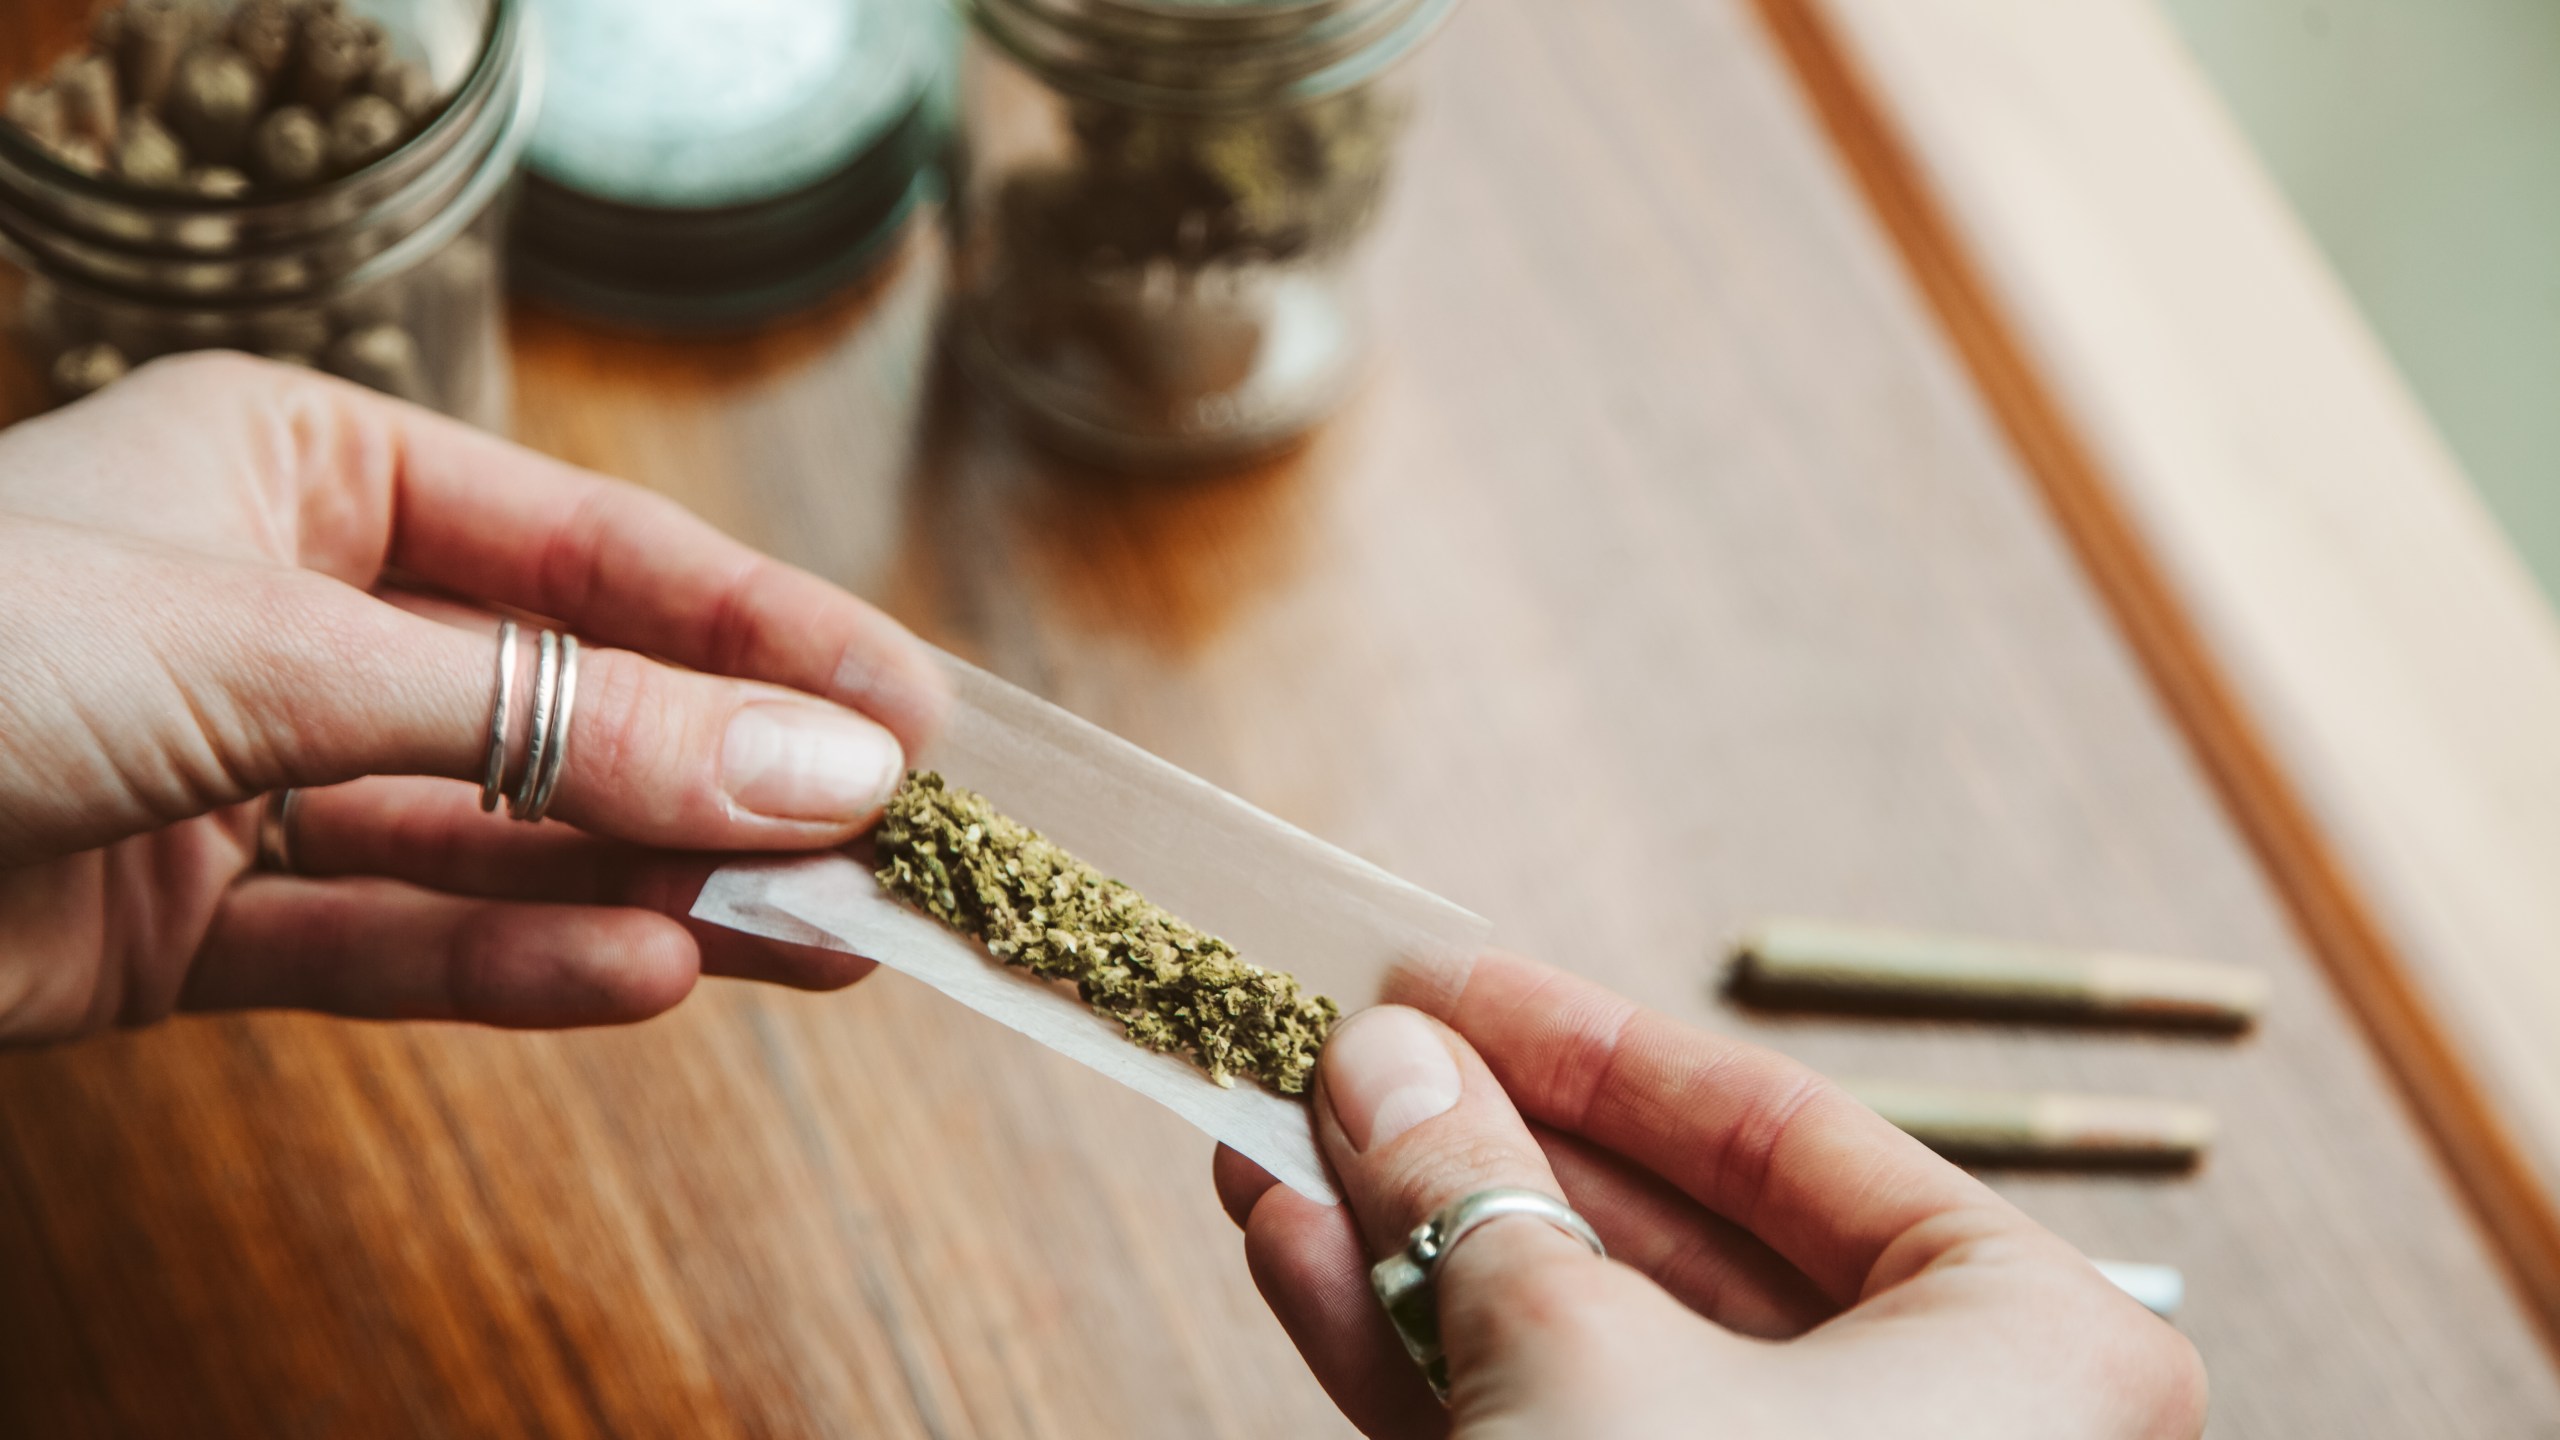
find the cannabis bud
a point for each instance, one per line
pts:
(951, 854)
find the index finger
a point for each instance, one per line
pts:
(494, 521)
(1752, 1135)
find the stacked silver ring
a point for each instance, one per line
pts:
(546, 751)
(275, 831)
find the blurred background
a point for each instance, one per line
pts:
(2415, 139)
(1639, 468)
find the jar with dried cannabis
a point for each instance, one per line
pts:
(318, 181)
(1159, 210)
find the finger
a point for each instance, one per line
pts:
(1703, 1260)
(271, 675)
(1309, 1263)
(290, 678)
(675, 759)
(381, 481)
(484, 517)
(1753, 1136)
(377, 949)
(433, 833)
(1411, 1120)
(750, 764)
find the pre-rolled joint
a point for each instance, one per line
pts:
(1807, 964)
(1998, 1127)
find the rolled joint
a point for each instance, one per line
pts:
(2042, 1128)
(1811, 964)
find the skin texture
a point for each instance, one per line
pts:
(1783, 1262)
(194, 567)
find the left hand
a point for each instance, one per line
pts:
(194, 611)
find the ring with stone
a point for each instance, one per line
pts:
(1403, 1281)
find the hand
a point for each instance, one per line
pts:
(193, 613)
(1744, 1201)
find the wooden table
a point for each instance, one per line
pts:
(1671, 573)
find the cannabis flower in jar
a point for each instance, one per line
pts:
(1161, 210)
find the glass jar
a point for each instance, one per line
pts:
(389, 275)
(1159, 210)
(704, 169)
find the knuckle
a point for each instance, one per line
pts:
(569, 572)
(1596, 1027)
(733, 628)
(610, 524)
(619, 713)
(1749, 1152)
(1438, 1163)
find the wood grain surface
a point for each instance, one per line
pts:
(2318, 591)
(1668, 574)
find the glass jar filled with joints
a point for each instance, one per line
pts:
(1160, 209)
(317, 181)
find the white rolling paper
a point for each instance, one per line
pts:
(1286, 900)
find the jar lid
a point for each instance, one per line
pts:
(1208, 54)
(703, 164)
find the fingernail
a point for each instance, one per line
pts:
(1385, 1071)
(791, 761)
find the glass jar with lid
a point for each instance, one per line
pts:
(316, 181)
(1160, 210)
(708, 167)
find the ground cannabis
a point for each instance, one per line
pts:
(949, 852)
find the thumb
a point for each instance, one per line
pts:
(268, 677)
(1412, 1120)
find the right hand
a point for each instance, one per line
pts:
(1744, 1201)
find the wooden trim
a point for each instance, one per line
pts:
(2491, 1160)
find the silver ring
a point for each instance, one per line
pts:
(275, 831)
(1403, 1281)
(537, 743)
(546, 750)
(546, 783)
(502, 701)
